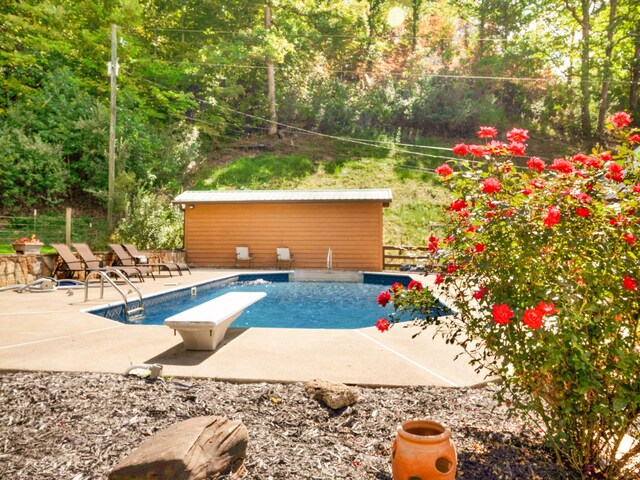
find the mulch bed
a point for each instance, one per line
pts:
(78, 426)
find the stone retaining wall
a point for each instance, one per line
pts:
(21, 269)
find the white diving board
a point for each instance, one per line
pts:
(203, 327)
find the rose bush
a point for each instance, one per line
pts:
(542, 269)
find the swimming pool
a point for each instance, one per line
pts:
(288, 304)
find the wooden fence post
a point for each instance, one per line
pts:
(68, 227)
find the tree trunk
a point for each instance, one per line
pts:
(372, 23)
(481, 32)
(271, 80)
(635, 74)
(415, 20)
(585, 23)
(604, 92)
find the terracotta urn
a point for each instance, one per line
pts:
(423, 450)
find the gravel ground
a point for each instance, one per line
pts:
(79, 426)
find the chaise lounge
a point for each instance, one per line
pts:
(203, 327)
(140, 258)
(67, 261)
(123, 258)
(93, 263)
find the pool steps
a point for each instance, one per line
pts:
(325, 276)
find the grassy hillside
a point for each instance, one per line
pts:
(300, 163)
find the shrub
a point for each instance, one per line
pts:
(542, 269)
(151, 222)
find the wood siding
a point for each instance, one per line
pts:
(353, 230)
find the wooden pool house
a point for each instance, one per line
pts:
(307, 222)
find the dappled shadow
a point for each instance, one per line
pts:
(178, 356)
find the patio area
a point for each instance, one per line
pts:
(49, 332)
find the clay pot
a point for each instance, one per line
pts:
(423, 450)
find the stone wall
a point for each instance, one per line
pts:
(17, 269)
(22, 269)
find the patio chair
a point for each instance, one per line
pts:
(283, 256)
(67, 261)
(139, 257)
(243, 255)
(124, 258)
(93, 263)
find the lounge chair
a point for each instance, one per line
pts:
(203, 327)
(93, 263)
(127, 260)
(243, 255)
(283, 256)
(67, 261)
(139, 257)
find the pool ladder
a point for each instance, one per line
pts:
(129, 314)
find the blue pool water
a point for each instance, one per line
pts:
(287, 304)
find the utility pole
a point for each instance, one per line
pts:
(113, 73)
(271, 79)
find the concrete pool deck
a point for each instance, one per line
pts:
(49, 332)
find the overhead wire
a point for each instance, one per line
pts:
(411, 75)
(369, 143)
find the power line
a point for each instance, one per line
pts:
(369, 143)
(400, 74)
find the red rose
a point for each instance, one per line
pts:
(491, 185)
(535, 163)
(516, 149)
(605, 156)
(502, 314)
(562, 165)
(433, 244)
(630, 238)
(452, 267)
(620, 119)
(384, 298)
(487, 132)
(635, 138)
(382, 324)
(396, 287)
(439, 279)
(415, 285)
(553, 216)
(449, 239)
(518, 135)
(479, 248)
(532, 318)
(537, 183)
(636, 188)
(458, 205)
(630, 283)
(616, 172)
(460, 149)
(476, 150)
(546, 308)
(526, 191)
(444, 170)
(583, 212)
(480, 293)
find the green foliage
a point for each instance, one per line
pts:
(32, 172)
(258, 172)
(151, 222)
(542, 269)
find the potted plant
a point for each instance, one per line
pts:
(27, 246)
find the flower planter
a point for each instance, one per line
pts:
(423, 450)
(27, 248)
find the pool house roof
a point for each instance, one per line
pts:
(383, 195)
